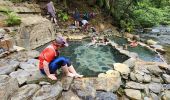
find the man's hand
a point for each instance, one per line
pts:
(52, 76)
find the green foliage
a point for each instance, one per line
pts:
(129, 14)
(148, 15)
(127, 25)
(63, 16)
(12, 19)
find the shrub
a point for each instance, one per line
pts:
(63, 16)
(12, 19)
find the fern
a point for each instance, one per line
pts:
(12, 19)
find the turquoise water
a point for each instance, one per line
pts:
(143, 52)
(92, 60)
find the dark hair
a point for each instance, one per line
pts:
(134, 38)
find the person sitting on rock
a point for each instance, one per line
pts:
(51, 11)
(50, 61)
(134, 42)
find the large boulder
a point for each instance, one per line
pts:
(84, 88)
(7, 86)
(123, 69)
(21, 75)
(34, 32)
(32, 69)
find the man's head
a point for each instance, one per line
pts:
(61, 41)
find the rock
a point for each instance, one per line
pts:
(154, 69)
(140, 72)
(151, 42)
(21, 75)
(158, 48)
(44, 83)
(106, 96)
(134, 85)
(124, 97)
(9, 67)
(7, 43)
(147, 78)
(146, 90)
(157, 79)
(141, 68)
(133, 55)
(132, 76)
(27, 67)
(154, 96)
(21, 56)
(166, 86)
(166, 95)
(133, 94)
(130, 62)
(33, 30)
(112, 73)
(69, 95)
(84, 88)
(48, 92)
(139, 77)
(18, 48)
(101, 75)
(163, 65)
(32, 70)
(33, 54)
(109, 84)
(8, 86)
(123, 69)
(66, 82)
(155, 87)
(34, 62)
(147, 98)
(166, 78)
(26, 92)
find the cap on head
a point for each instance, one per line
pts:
(61, 40)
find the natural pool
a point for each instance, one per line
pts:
(90, 61)
(143, 52)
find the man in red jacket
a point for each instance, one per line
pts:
(49, 61)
